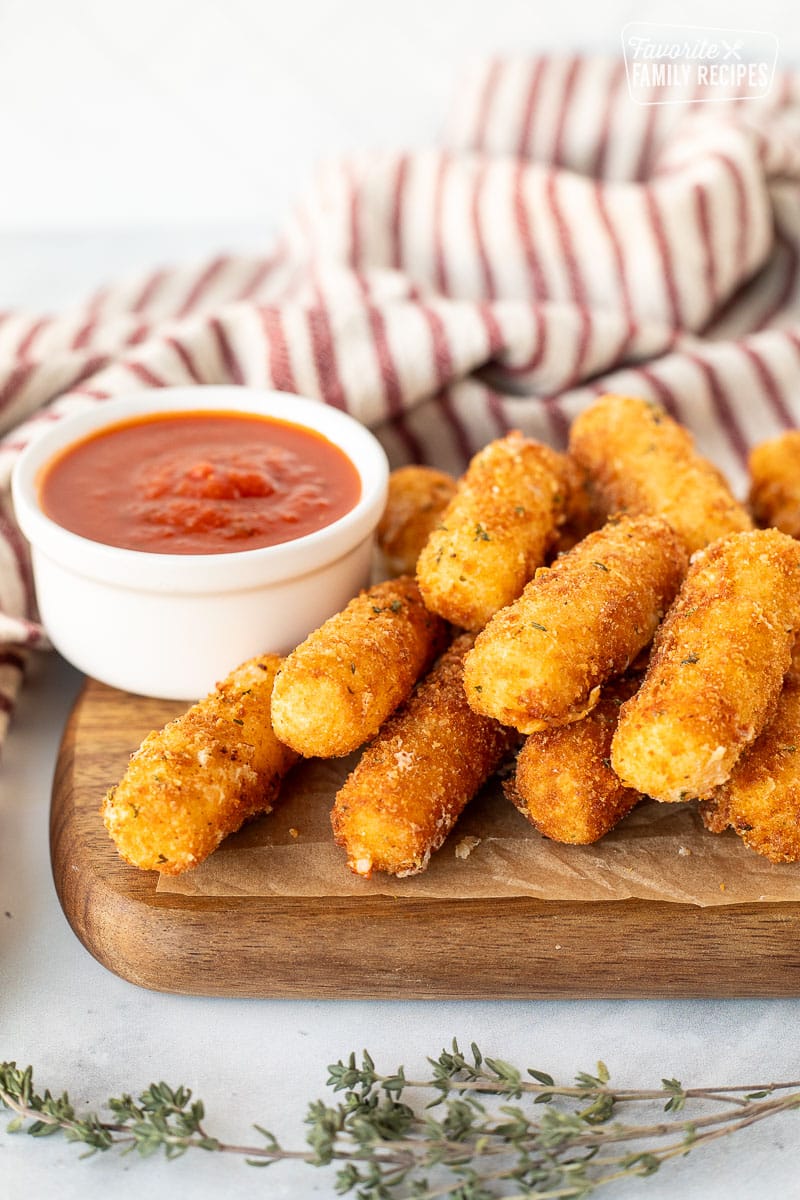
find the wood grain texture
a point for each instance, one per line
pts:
(379, 946)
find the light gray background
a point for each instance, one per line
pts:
(209, 115)
(136, 131)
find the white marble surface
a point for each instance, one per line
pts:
(90, 1032)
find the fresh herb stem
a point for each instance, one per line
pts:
(466, 1144)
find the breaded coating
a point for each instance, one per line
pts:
(413, 781)
(543, 660)
(199, 778)
(716, 670)
(641, 461)
(338, 687)
(416, 500)
(584, 514)
(564, 783)
(761, 800)
(775, 483)
(495, 532)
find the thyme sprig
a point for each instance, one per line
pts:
(471, 1142)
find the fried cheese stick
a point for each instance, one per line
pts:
(416, 500)
(338, 687)
(716, 670)
(495, 531)
(413, 781)
(199, 778)
(641, 461)
(584, 514)
(775, 483)
(543, 660)
(761, 800)
(564, 783)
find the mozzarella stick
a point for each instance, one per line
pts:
(413, 781)
(761, 800)
(775, 483)
(495, 531)
(564, 783)
(338, 687)
(416, 500)
(199, 778)
(641, 461)
(543, 660)
(584, 514)
(716, 670)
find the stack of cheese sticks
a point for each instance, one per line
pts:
(611, 614)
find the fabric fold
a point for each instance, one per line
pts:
(561, 240)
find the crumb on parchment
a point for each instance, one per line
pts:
(465, 846)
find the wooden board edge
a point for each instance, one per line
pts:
(385, 948)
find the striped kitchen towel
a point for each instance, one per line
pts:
(562, 240)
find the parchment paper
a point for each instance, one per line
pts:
(660, 852)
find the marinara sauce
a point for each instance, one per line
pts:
(199, 483)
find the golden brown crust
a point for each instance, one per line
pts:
(775, 483)
(761, 800)
(542, 660)
(417, 498)
(716, 670)
(584, 513)
(199, 778)
(336, 689)
(641, 461)
(564, 783)
(495, 531)
(414, 779)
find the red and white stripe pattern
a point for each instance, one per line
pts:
(562, 241)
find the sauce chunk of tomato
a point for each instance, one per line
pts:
(201, 482)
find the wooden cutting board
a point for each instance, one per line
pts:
(378, 946)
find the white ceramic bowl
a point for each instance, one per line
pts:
(171, 625)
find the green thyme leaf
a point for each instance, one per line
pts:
(491, 1129)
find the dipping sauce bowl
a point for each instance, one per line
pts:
(170, 625)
